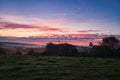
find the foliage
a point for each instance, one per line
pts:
(90, 44)
(2, 51)
(18, 53)
(60, 50)
(104, 51)
(110, 41)
(32, 52)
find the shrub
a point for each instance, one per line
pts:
(18, 53)
(103, 51)
(32, 52)
(60, 50)
(2, 51)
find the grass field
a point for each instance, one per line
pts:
(58, 68)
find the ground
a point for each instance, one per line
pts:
(58, 68)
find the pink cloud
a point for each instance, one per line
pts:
(51, 29)
(85, 35)
(9, 25)
(1, 17)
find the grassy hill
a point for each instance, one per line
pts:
(58, 68)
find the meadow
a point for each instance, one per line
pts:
(58, 68)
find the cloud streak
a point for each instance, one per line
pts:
(87, 31)
(10, 25)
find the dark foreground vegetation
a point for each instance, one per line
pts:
(58, 68)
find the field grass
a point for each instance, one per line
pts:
(58, 68)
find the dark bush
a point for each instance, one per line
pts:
(103, 51)
(60, 50)
(18, 53)
(32, 52)
(2, 51)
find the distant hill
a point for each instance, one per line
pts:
(14, 43)
(17, 44)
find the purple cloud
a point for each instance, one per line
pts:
(86, 31)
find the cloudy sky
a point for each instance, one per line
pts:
(45, 18)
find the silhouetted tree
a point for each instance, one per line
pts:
(110, 41)
(106, 49)
(90, 44)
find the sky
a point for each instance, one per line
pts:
(89, 19)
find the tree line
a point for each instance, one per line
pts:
(108, 47)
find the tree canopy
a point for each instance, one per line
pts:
(110, 41)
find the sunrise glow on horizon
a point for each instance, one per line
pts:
(89, 19)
